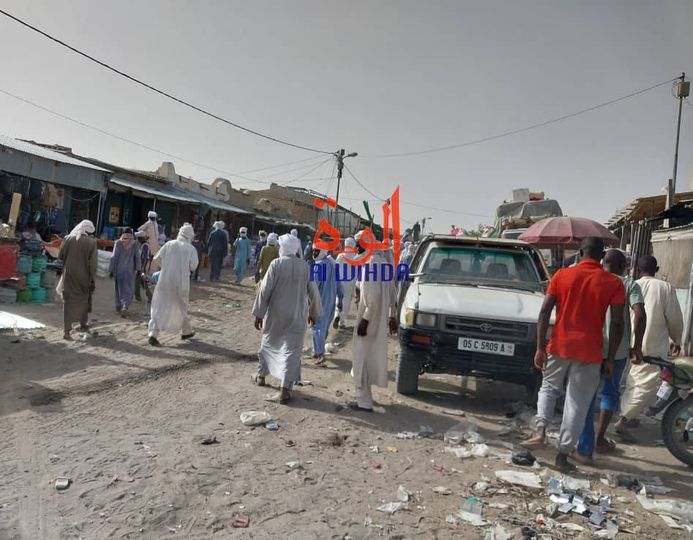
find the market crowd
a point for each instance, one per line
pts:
(604, 320)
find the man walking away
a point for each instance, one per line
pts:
(330, 289)
(581, 295)
(124, 267)
(347, 285)
(151, 229)
(376, 315)
(268, 254)
(78, 281)
(178, 260)
(614, 262)
(664, 323)
(145, 261)
(299, 251)
(217, 249)
(242, 256)
(286, 303)
(262, 242)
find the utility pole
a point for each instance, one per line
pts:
(683, 89)
(340, 155)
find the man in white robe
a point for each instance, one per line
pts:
(663, 334)
(347, 285)
(376, 316)
(151, 229)
(178, 258)
(286, 303)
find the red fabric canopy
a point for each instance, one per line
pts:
(567, 231)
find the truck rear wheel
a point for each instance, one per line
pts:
(407, 376)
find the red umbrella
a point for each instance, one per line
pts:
(567, 231)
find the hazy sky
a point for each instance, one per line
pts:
(374, 77)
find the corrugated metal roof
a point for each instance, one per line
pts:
(163, 191)
(33, 149)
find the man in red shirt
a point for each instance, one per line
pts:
(581, 295)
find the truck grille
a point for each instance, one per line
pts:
(486, 328)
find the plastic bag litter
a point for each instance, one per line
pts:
(461, 453)
(672, 507)
(497, 533)
(255, 418)
(474, 519)
(575, 483)
(402, 494)
(442, 490)
(391, 508)
(480, 486)
(526, 479)
(461, 432)
(480, 450)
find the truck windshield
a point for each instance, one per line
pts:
(479, 265)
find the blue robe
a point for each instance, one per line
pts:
(242, 257)
(329, 289)
(217, 249)
(125, 265)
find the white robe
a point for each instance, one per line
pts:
(664, 322)
(347, 286)
(369, 353)
(285, 298)
(178, 259)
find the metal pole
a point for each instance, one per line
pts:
(682, 91)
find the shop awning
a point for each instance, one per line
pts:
(33, 161)
(161, 192)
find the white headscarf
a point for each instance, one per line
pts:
(152, 215)
(83, 227)
(350, 242)
(219, 225)
(288, 245)
(272, 239)
(294, 232)
(243, 231)
(186, 233)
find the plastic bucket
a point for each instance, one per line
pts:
(38, 296)
(49, 279)
(24, 296)
(33, 280)
(38, 264)
(24, 264)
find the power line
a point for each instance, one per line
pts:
(279, 165)
(157, 90)
(523, 129)
(361, 184)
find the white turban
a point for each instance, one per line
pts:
(262, 234)
(273, 239)
(350, 242)
(243, 231)
(186, 233)
(152, 215)
(294, 232)
(219, 225)
(141, 234)
(288, 245)
(83, 227)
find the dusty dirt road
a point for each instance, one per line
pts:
(125, 423)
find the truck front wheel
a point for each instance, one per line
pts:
(408, 368)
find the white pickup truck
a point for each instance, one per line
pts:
(471, 308)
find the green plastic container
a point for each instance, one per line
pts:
(38, 295)
(33, 280)
(38, 263)
(24, 296)
(24, 264)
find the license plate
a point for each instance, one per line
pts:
(488, 347)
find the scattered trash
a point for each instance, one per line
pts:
(374, 449)
(571, 526)
(452, 412)
(552, 510)
(461, 453)
(392, 449)
(480, 487)
(497, 533)
(526, 479)
(472, 505)
(255, 418)
(474, 519)
(675, 508)
(240, 521)
(442, 490)
(499, 506)
(523, 457)
(575, 483)
(391, 508)
(294, 464)
(426, 432)
(480, 450)
(62, 483)
(402, 494)
(272, 425)
(450, 519)
(407, 435)
(442, 470)
(509, 429)
(462, 432)
(212, 439)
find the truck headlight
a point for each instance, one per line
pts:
(409, 317)
(427, 320)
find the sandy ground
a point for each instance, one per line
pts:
(124, 422)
